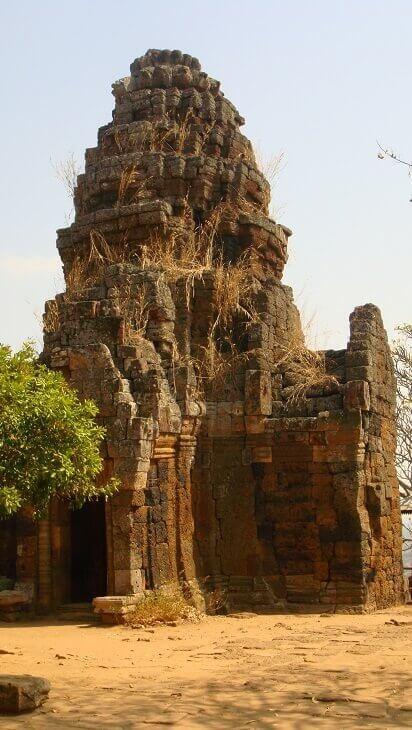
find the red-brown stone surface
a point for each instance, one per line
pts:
(272, 489)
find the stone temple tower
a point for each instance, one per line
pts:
(247, 462)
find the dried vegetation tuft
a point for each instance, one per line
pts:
(308, 370)
(189, 253)
(51, 319)
(162, 606)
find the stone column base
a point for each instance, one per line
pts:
(114, 609)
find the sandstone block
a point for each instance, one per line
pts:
(114, 609)
(356, 395)
(22, 693)
(12, 603)
(258, 392)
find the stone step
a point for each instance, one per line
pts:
(82, 607)
(78, 617)
(77, 612)
(267, 609)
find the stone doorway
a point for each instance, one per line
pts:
(88, 558)
(8, 550)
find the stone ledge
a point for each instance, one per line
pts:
(114, 609)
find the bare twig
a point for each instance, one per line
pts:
(67, 172)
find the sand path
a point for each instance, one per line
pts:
(299, 672)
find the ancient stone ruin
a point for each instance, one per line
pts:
(249, 465)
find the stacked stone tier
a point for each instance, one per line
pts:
(171, 156)
(175, 104)
(134, 223)
(201, 180)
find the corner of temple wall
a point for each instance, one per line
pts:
(370, 370)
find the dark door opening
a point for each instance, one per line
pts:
(8, 549)
(88, 577)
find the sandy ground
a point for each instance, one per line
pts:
(297, 672)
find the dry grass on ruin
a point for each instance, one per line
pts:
(145, 137)
(233, 291)
(194, 252)
(218, 373)
(270, 166)
(180, 133)
(79, 278)
(86, 270)
(190, 254)
(187, 254)
(176, 256)
(309, 369)
(131, 184)
(135, 308)
(305, 368)
(102, 253)
(169, 134)
(67, 172)
(160, 607)
(216, 600)
(51, 319)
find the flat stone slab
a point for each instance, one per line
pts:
(116, 604)
(10, 600)
(114, 609)
(22, 693)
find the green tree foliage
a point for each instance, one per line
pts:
(49, 440)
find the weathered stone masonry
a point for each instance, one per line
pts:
(266, 497)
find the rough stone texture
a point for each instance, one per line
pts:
(267, 499)
(12, 604)
(22, 693)
(114, 609)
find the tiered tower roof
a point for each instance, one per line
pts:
(172, 154)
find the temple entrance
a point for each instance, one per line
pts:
(88, 575)
(8, 550)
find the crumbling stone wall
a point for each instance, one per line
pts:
(267, 486)
(314, 518)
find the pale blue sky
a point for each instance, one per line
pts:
(320, 80)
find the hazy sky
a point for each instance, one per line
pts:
(319, 80)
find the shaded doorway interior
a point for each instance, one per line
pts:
(8, 549)
(88, 560)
